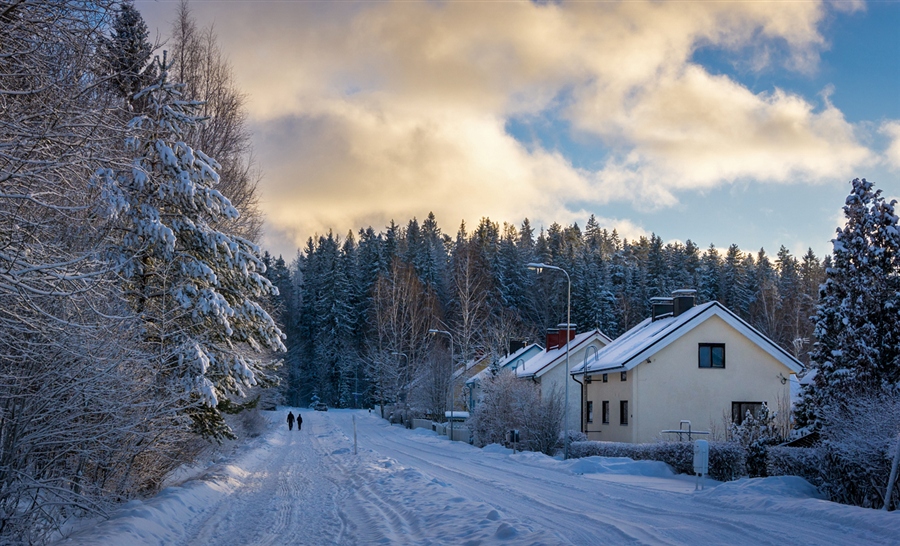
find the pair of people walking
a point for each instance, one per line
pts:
(290, 420)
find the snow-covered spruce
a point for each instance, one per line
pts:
(196, 288)
(857, 354)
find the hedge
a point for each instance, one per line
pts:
(727, 460)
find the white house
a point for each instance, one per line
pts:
(548, 368)
(510, 361)
(701, 364)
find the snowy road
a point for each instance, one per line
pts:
(413, 487)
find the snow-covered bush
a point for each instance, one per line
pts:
(806, 462)
(574, 436)
(510, 403)
(755, 434)
(860, 448)
(726, 459)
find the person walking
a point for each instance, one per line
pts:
(299, 421)
(291, 421)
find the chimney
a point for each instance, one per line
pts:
(515, 345)
(661, 307)
(563, 330)
(683, 300)
(552, 338)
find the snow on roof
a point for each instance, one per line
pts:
(524, 353)
(469, 365)
(549, 358)
(648, 337)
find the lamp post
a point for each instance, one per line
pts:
(539, 267)
(406, 398)
(434, 331)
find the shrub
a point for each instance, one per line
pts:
(806, 462)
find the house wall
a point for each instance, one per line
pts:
(613, 391)
(556, 376)
(672, 386)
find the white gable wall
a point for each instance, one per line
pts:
(555, 376)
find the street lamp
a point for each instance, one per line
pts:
(434, 331)
(395, 353)
(539, 267)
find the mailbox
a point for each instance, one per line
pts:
(701, 457)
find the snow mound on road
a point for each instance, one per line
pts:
(496, 448)
(619, 465)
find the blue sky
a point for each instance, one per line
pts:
(719, 122)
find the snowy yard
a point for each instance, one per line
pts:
(414, 487)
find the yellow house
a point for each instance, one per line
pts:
(700, 364)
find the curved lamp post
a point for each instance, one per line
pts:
(540, 267)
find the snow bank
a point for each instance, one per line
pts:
(618, 465)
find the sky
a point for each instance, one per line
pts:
(715, 121)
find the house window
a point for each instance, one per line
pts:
(739, 410)
(590, 412)
(605, 412)
(624, 376)
(605, 378)
(712, 355)
(623, 412)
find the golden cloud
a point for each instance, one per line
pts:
(377, 110)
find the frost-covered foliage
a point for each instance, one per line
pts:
(756, 434)
(196, 288)
(510, 403)
(806, 462)
(726, 459)
(857, 326)
(853, 398)
(860, 448)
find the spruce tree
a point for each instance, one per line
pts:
(126, 54)
(857, 328)
(196, 289)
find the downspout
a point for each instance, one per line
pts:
(583, 400)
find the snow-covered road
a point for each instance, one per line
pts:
(414, 487)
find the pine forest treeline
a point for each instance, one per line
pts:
(357, 309)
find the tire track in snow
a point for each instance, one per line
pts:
(598, 510)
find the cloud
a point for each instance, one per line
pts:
(891, 129)
(376, 110)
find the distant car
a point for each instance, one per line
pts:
(321, 407)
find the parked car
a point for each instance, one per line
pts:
(320, 406)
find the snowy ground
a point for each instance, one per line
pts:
(414, 487)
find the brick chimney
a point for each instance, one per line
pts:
(563, 330)
(552, 338)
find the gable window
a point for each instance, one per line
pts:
(605, 378)
(604, 412)
(624, 376)
(739, 411)
(623, 412)
(712, 355)
(590, 412)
